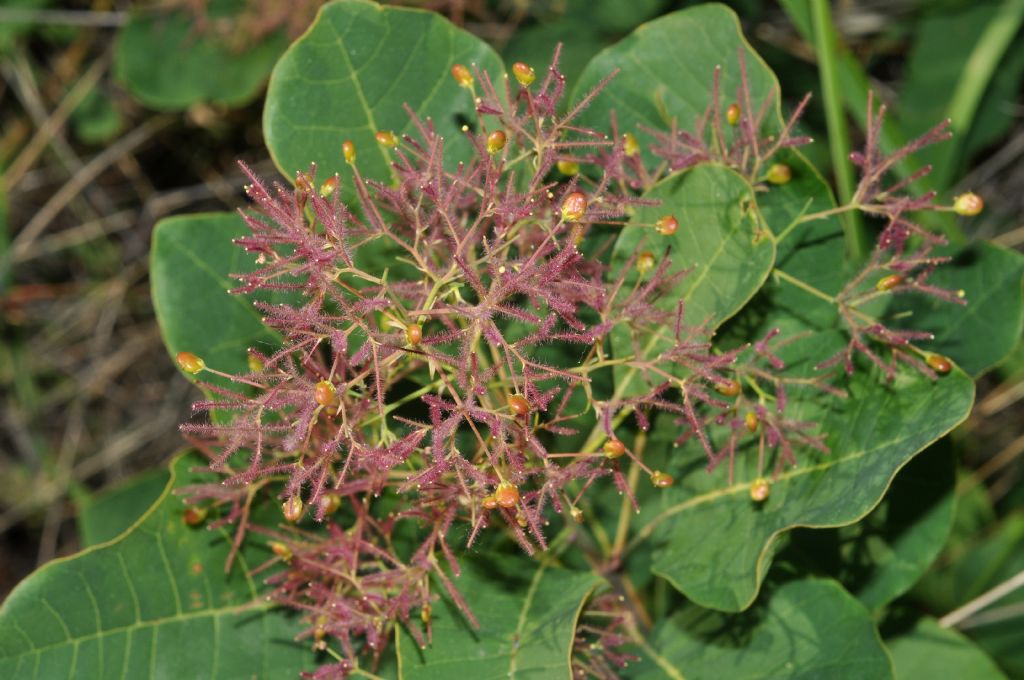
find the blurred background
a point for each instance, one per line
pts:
(115, 114)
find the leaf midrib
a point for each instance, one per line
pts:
(517, 636)
(254, 606)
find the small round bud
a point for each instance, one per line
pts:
(577, 515)
(732, 114)
(629, 144)
(386, 138)
(759, 490)
(667, 225)
(887, 283)
(968, 205)
(190, 363)
(194, 516)
(324, 392)
(281, 550)
(329, 186)
(414, 334)
(520, 407)
(304, 182)
(570, 168)
(751, 421)
(319, 633)
(728, 387)
(507, 495)
(496, 141)
(645, 262)
(348, 150)
(521, 519)
(779, 173)
(661, 479)
(939, 363)
(292, 509)
(523, 73)
(613, 448)
(330, 503)
(462, 75)
(574, 206)
(489, 502)
(254, 362)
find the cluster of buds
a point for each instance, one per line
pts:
(902, 260)
(742, 137)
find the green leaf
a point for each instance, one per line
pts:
(154, 602)
(941, 57)
(535, 44)
(975, 566)
(615, 16)
(592, 25)
(190, 266)
(982, 333)
(871, 435)
(666, 68)
(349, 76)
(104, 516)
(527, 624)
(168, 65)
(719, 239)
(12, 31)
(97, 119)
(975, 513)
(881, 557)
(715, 544)
(931, 651)
(807, 629)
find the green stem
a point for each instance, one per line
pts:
(806, 287)
(826, 48)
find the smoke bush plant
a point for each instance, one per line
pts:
(492, 260)
(493, 350)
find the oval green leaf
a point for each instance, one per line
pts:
(872, 434)
(715, 544)
(106, 515)
(154, 602)
(980, 334)
(165, 63)
(807, 629)
(720, 240)
(930, 651)
(350, 75)
(666, 69)
(191, 261)
(526, 630)
(883, 556)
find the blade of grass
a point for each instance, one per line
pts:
(981, 66)
(825, 47)
(853, 86)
